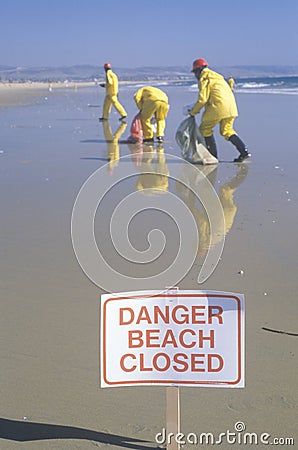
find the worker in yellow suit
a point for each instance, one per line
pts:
(111, 97)
(216, 96)
(231, 82)
(152, 102)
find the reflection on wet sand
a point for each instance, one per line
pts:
(150, 162)
(112, 140)
(226, 192)
(153, 171)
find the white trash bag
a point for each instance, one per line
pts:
(191, 143)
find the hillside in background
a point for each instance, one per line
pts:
(91, 73)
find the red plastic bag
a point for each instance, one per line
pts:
(136, 129)
(135, 139)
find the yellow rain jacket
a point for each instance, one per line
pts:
(216, 96)
(149, 93)
(111, 83)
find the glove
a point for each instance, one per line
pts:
(102, 85)
(187, 109)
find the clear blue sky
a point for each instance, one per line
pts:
(133, 33)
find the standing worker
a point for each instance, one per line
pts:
(111, 97)
(217, 97)
(151, 102)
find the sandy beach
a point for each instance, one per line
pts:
(20, 94)
(51, 142)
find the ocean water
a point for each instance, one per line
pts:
(286, 85)
(267, 85)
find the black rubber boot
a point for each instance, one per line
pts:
(211, 145)
(241, 147)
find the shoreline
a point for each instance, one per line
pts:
(21, 94)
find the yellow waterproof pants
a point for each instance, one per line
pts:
(160, 110)
(226, 127)
(108, 102)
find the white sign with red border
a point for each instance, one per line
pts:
(181, 338)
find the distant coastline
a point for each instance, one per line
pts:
(88, 73)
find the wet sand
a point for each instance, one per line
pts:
(50, 395)
(20, 94)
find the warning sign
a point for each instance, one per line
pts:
(189, 338)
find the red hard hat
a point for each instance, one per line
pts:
(198, 63)
(107, 65)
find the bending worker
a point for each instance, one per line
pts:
(152, 102)
(217, 97)
(111, 97)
